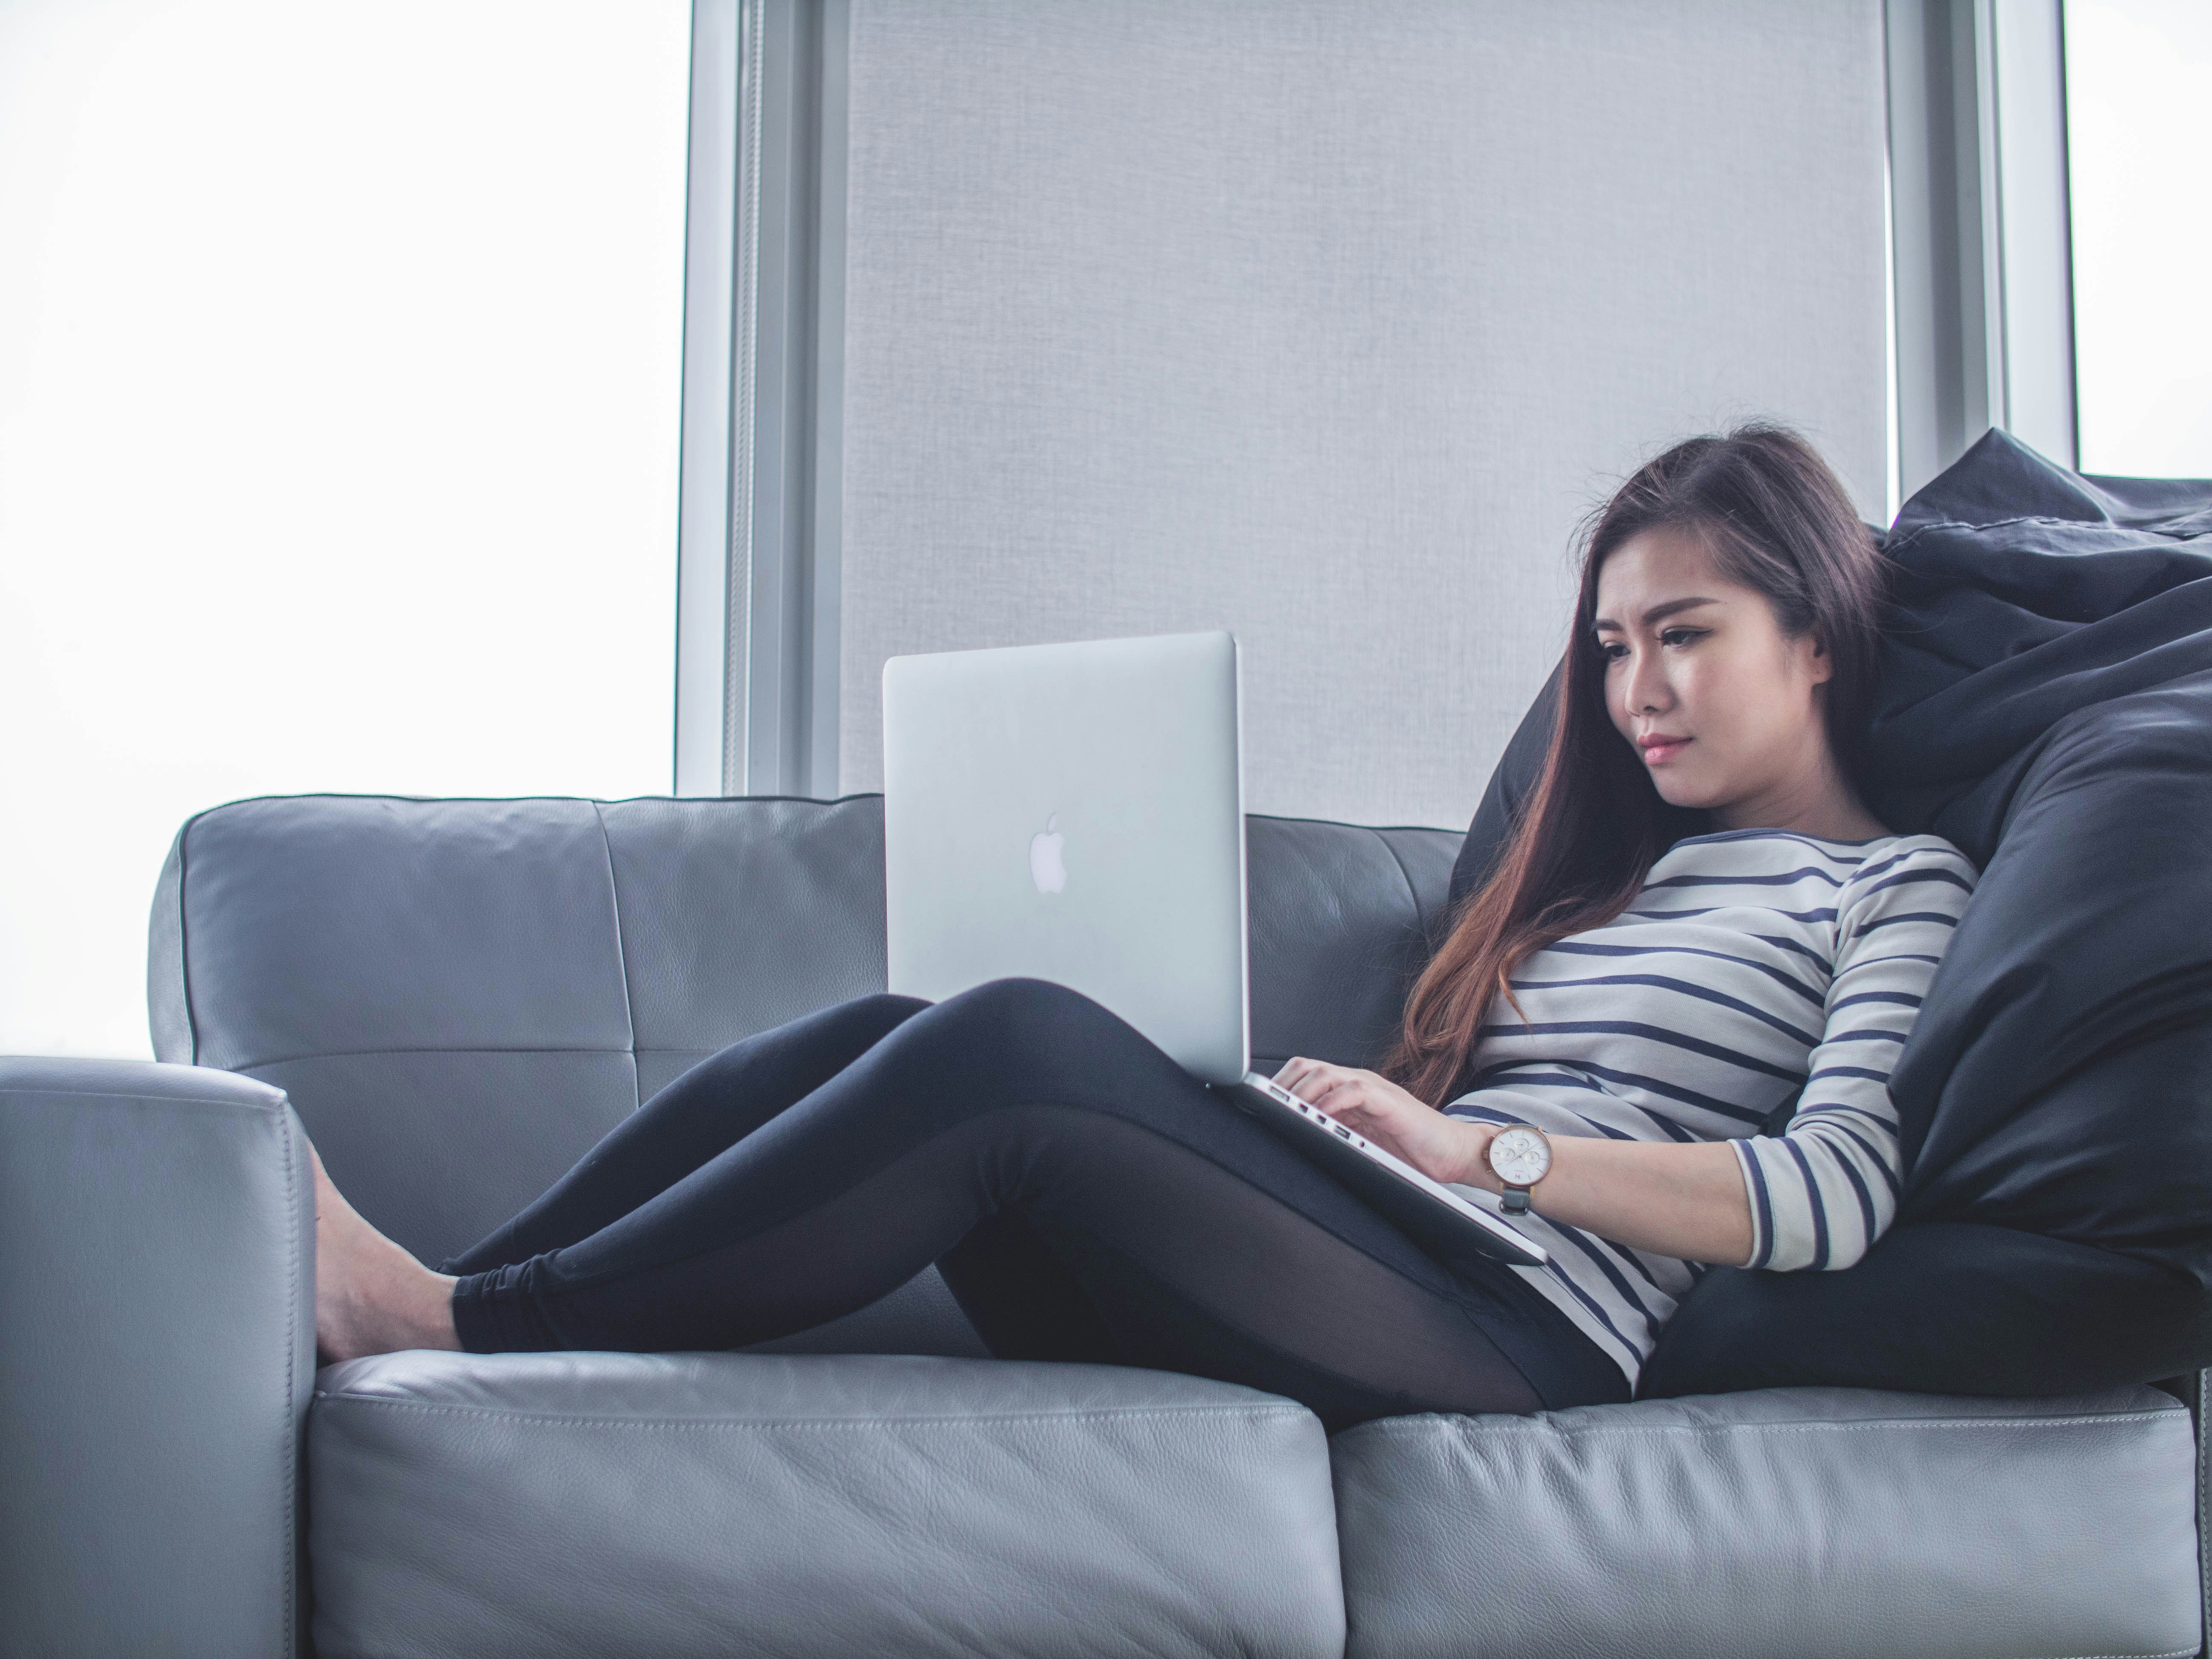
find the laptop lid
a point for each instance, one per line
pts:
(1074, 813)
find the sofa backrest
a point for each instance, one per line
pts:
(461, 996)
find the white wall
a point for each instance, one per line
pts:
(339, 351)
(1323, 321)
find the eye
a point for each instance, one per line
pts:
(1611, 651)
(1681, 635)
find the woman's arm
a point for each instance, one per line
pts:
(1687, 1201)
(1824, 1191)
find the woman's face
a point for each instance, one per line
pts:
(1720, 704)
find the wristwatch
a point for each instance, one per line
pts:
(1520, 1157)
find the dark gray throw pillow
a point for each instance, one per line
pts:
(2046, 705)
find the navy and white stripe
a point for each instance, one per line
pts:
(1755, 963)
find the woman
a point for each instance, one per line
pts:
(1621, 1017)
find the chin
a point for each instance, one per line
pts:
(1684, 794)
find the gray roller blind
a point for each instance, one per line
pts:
(1324, 321)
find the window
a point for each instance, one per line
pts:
(2140, 153)
(340, 352)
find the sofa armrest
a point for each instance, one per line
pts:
(156, 1355)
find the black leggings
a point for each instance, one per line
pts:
(1084, 1197)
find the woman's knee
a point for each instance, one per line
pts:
(868, 1018)
(885, 1008)
(1028, 1029)
(1015, 1009)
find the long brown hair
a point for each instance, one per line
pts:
(1776, 520)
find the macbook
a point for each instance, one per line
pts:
(1076, 813)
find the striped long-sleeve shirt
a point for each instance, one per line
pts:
(1755, 963)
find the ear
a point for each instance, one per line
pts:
(1819, 664)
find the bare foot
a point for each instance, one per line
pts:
(371, 1296)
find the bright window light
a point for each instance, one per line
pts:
(340, 353)
(2140, 150)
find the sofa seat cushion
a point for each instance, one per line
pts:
(1787, 1521)
(646, 1504)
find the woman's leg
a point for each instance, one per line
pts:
(371, 1297)
(699, 1116)
(1202, 1243)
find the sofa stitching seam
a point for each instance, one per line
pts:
(291, 1361)
(622, 951)
(128, 1096)
(2204, 1550)
(184, 937)
(1286, 1412)
(244, 1066)
(2152, 1415)
(1412, 894)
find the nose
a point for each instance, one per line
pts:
(1647, 691)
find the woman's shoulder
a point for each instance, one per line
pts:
(1920, 856)
(1907, 879)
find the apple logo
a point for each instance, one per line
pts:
(1046, 870)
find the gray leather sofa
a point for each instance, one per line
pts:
(456, 997)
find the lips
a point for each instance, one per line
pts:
(1660, 748)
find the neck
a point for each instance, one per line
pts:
(1819, 801)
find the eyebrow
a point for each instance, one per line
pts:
(1656, 613)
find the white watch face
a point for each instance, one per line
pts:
(1519, 1156)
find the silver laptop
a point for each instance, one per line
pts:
(1076, 813)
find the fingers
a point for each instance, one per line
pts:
(1333, 1089)
(1308, 1079)
(1337, 1090)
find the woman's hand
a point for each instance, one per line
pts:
(1671, 1200)
(1442, 1148)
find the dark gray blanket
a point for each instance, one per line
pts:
(2046, 705)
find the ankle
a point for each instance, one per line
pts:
(434, 1314)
